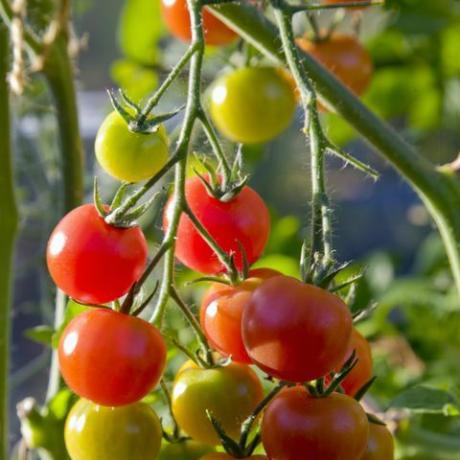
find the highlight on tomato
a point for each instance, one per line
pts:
(244, 220)
(129, 156)
(295, 331)
(130, 432)
(380, 445)
(176, 16)
(111, 358)
(297, 426)
(230, 393)
(252, 105)
(94, 262)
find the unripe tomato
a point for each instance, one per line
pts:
(295, 331)
(298, 426)
(243, 220)
(187, 450)
(176, 16)
(380, 445)
(94, 262)
(222, 311)
(230, 393)
(222, 456)
(95, 432)
(129, 156)
(253, 104)
(345, 57)
(111, 358)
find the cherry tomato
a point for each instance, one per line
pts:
(222, 456)
(295, 331)
(230, 393)
(243, 220)
(111, 358)
(92, 261)
(187, 450)
(176, 16)
(345, 57)
(129, 156)
(380, 445)
(298, 426)
(107, 433)
(221, 314)
(253, 104)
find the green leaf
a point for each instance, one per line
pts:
(425, 399)
(40, 334)
(60, 405)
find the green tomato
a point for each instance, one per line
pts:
(129, 156)
(253, 104)
(94, 432)
(230, 393)
(188, 450)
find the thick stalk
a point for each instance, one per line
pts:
(8, 230)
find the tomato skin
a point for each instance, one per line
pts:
(222, 456)
(187, 450)
(244, 219)
(106, 433)
(380, 445)
(295, 331)
(252, 105)
(297, 426)
(94, 262)
(111, 358)
(345, 57)
(176, 16)
(129, 156)
(231, 393)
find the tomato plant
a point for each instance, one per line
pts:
(297, 425)
(92, 261)
(130, 156)
(244, 220)
(253, 104)
(129, 432)
(295, 331)
(111, 358)
(221, 456)
(380, 445)
(185, 450)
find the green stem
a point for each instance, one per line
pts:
(8, 231)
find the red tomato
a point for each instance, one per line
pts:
(176, 16)
(244, 219)
(221, 313)
(298, 426)
(92, 261)
(380, 445)
(295, 331)
(111, 358)
(345, 57)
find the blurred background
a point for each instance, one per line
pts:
(382, 226)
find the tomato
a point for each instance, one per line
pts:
(111, 358)
(107, 433)
(129, 156)
(92, 261)
(295, 331)
(252, 105)
(187, 450)
(380, 445)
(221, 456)
(221, 313)
(230, 393)
(298, 426)
(243, 220)
(345, 57)
(176, 16)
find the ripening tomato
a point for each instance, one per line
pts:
(94, 262)
(222, 310)
(252, 105)
(345, 57)
(295, 331)
(298, 426)
(129, 156)
(243, 220)
(107, 433)
(185, 450)
(111, 358)
(380, 445)
(222, 456)
(230, 393)
(176, 16)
